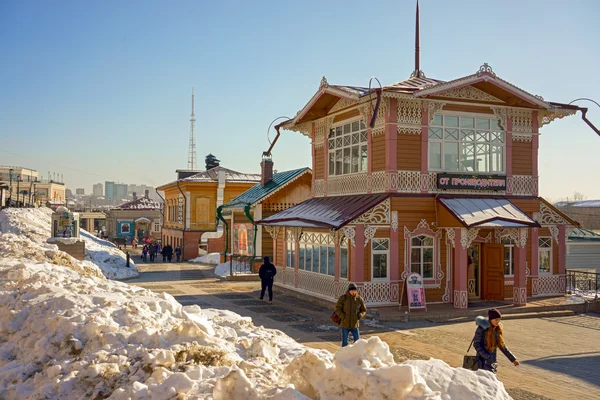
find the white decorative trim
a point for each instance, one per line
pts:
(484, 69)
(322, 127)
(296, 232)
(433, 107)
(450, 235)
(467, 236)
(350, 233)
(394, 224)
(519, 296)
(273, 230)
(337, 237)
(424, 229)
(369, 233)
(318, 237)
(523, 185)
(554, 231)
(409, 181)
(521, 239)
(447, 297)
(304, 128)
(520, 137)
(409, 116)
(470, 93)
(461, 299)
(522, 120)
(502, 114)
(347, 184)
(342, 103)
(545, 117)
(378, 215)
(509, 282)
(548, 216)
(379, 181)
(548, 285)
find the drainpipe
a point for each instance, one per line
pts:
(162, 210)
(184, 205)
(247, 213)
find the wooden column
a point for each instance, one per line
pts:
(460, 271)
(520, 286)
(394, 258)
(424, 147)
(391, 143)
(533, 269)
(562, 257)
(358, 256)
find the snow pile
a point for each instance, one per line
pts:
(211, 258)
(24, 232)
(64, 335)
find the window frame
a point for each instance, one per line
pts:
(433, 251)
(511, 247)
(387, 259)
(545, 250)
(489, 142)
(360, 144)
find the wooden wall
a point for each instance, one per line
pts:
(319, 169)
(409, 152)
(378, 153)
(521, 158)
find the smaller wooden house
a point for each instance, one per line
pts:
(275, 192)
(139, 218)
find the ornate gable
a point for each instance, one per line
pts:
(470, 93)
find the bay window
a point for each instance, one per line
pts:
(347, 146)
(466, 144)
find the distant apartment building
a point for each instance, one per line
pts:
(80, 191)
(97, 190)
(115, 193)
(18, 174)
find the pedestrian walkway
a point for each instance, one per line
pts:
(553, 365)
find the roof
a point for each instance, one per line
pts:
(259, 192)
(487, 212)
(143, 203)
(325, 212)
(581, 203)
(583, 235)
(212, 175)
(413, 83)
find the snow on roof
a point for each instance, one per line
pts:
(581, 203)
(230, 176)
(143, 203)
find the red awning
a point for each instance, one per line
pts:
(487, 212)
(325, 212)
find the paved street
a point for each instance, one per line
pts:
(560, 356)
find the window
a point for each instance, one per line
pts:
(156, 227)
(509, 256)
(466, 144)
(348, 148)
(344, 263)
(379, 258)
(421, 256)
(317, 254)
(290, 254)
(125, 228)
(545, 255)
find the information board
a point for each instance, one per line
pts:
(415, 293)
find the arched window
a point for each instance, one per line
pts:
(422, 256)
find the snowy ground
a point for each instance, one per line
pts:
(65, 335)
(211, 258)
(24, 232)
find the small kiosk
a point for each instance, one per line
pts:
(65, 233)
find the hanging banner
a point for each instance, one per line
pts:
(415, 292)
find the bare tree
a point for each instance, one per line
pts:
(578, 196)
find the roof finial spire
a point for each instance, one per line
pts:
(417, 73)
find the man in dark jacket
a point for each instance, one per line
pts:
(267, 274)
(351, 309)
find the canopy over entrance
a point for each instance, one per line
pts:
(487, 212)
(325, 212)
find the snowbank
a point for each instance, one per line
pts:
(24, 232)
(64, 335)
(211, 258)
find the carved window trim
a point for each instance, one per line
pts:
(423, 229)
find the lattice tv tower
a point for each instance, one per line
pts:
(192, 150)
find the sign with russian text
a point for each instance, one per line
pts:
(415, 291)
(471, 182)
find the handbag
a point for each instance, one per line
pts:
(470, 362)
(336, 318)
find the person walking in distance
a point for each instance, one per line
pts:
(178, 253)
(351, 309)
(488, 338)
(267, 274)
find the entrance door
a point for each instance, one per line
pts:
(474, 271)
(493, 272)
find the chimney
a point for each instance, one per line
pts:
(266, 167)
(146, 193)
(134, 195)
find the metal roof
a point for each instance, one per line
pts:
(583, 235)
(259, 192)
(230, 176)
(142, 203)
(487, 212)
(325, 212)
(414, 83)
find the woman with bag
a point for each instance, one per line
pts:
(488, 338)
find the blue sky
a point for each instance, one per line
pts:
(104, 87)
